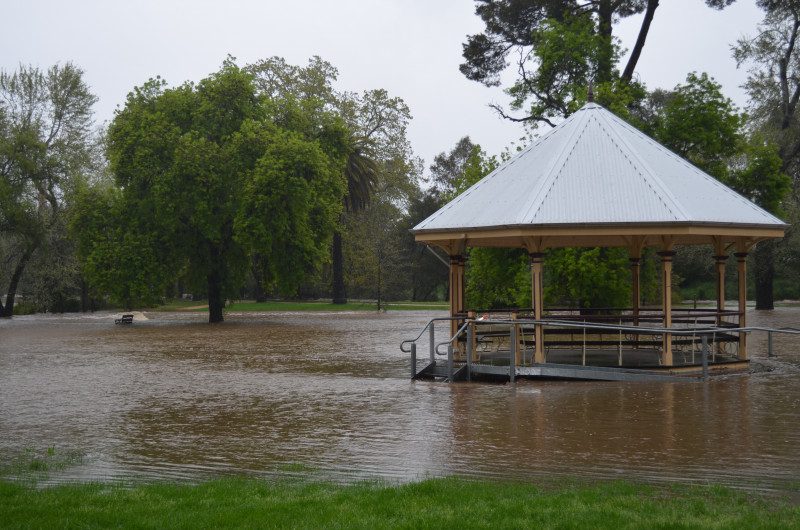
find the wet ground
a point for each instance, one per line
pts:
(328, 395)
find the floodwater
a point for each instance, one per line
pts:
(328, 396)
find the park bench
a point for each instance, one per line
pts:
(126, 319)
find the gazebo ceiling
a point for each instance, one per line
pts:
(595, 180)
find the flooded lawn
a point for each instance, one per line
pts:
(328, 395)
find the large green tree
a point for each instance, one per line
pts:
(45, 142)
(209, 174)
(379, 160)
(773, 85)
(558, 47)
(702, 125)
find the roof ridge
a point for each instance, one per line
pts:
(496, 171)
(710, 178)
(649, 175)
(557, 161)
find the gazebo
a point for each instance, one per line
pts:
(596, 181)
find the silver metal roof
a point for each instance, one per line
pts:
(595, 169)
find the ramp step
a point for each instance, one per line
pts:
(439, 371)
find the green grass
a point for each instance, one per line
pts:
(182, 305)
(438, 503)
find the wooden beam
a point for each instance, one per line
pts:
(636, 297)
(601, 235)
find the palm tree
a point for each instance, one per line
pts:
(361, 172)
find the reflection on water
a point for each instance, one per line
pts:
(329, 395)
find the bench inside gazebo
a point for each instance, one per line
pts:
(596, 181)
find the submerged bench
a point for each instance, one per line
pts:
(126, 319)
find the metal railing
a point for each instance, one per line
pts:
(695, 335)
(412, 343)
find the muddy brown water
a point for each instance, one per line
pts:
(328, 396)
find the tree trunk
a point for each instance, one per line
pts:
(84, 296)
(627, 75)
(339, 292)
(380, 254)
(764, 269)
(605, 63)
(260, 294)
(7, 310)
(215, 300)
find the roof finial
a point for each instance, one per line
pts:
(590, 97)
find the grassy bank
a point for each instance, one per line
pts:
(182, 305)
(440, 503)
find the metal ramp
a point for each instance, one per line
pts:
(440, 372)
(577, 372)
(464, 372)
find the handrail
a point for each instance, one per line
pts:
(705, 333)
(430, 323)
(454, 337)
(634, 329)
(600, 310)
(595, 325)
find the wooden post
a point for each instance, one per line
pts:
(636, 296)
(537, 298)
(520, 339)
(720, 259)
(461, 283)
(456, 290)
(741, 262)
(471, 315)
(666, 299)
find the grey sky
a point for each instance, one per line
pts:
(412, 48)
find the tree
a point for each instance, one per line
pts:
(428, 272)
(773, 86)
(361, 172)
(588, 278)
(700, 124)
(379, 158)
(45, 141)
(377, 261)
(761, 179)
(379, 162)
(559, 45)
(448, 168)
(210, 174)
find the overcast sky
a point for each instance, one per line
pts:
(412, 48)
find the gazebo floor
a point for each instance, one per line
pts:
(603, 362)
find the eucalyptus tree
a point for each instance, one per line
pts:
(557, 47)
(773, 85)
(46, 141)
(448, 168)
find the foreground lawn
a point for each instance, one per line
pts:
(182, 305)
(439, 503)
